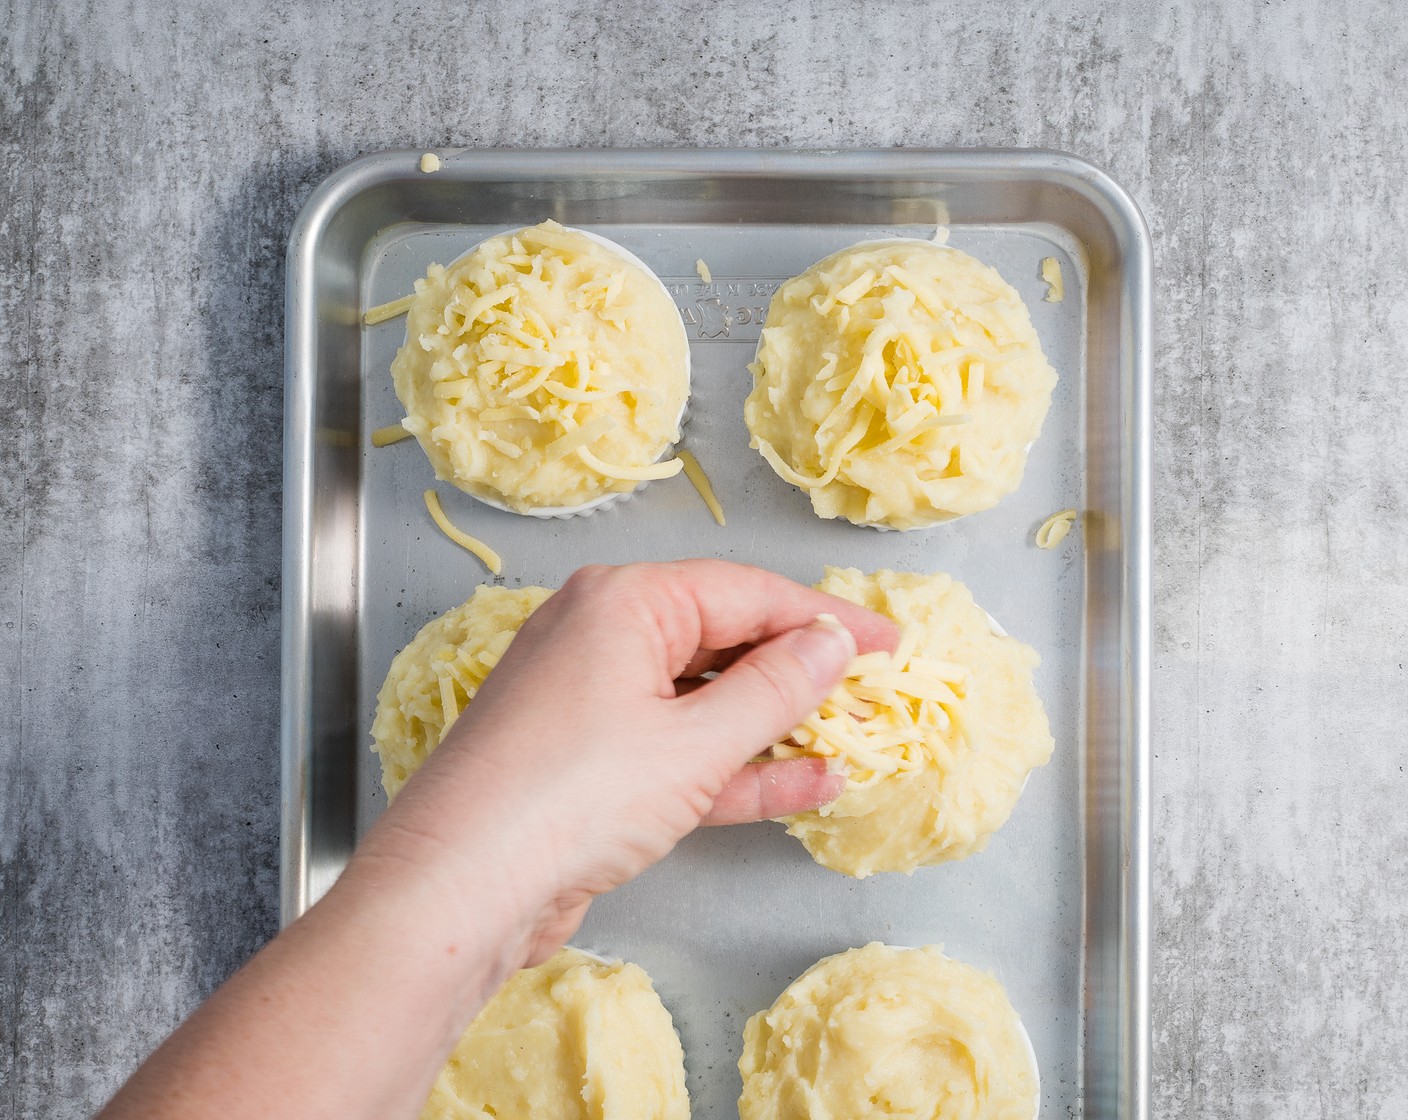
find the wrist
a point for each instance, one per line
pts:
(464, 853)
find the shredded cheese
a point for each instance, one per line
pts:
(392, 433)
(543, 370)
(430, 163)
(589, 432)
(879, 720)
(668, 469)
(899, 384)
(464, 540)
(935, 739)
(703, 269)
(1054, 529)
(1056, 283)
(436, 677)
(382, 312)
(695, 473)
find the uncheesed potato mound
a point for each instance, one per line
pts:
(543, 371)
(434, 678)
(572, 1039)
(936, 740)
(885, 1032)
(899, 383)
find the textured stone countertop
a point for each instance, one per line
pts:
(153, 159)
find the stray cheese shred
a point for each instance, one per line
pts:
(392, 433)
(1054, 529)
(695, 473)
(899, 383)
(464, 540)
(1056, 283)
(430, 163)
(703, 270)
(936, 739)
(381, 313)
(543, 370)
(436, 677)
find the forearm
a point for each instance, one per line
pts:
(352, 1010)
(580, 763)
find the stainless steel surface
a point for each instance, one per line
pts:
(1058, 904)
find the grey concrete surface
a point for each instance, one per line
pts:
(153, 159)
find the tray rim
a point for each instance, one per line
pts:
(1082, 177)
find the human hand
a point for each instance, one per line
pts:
(597, 743)
(591, 749)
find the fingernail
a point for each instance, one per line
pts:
(825, 648)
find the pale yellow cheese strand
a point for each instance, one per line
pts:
(1054, 529)
(449, 704)
(382, 312)
(464, 540)
(589, 432)
(392, 433)
(695, 473)
(1051, 273)
(668, 469)
(787, 474)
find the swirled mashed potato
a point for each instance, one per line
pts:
(572, 1039)
(543, 371)
(435, 677)
(884, 1032)
(898, 383)
(936, 740)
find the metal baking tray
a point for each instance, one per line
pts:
(1057, 906)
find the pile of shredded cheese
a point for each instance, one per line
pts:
(936, 740)
(891, 713)
(543, 371)
(438, 674)
(899, 383)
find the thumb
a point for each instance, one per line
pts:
(771, 689)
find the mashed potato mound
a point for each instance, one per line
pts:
(543, 370)
(884, 1032)
(572, 1039)
(899, 383)
(936, 740)
(434, 678)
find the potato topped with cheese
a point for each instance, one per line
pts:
(435, 677)
(899, 383)
(544, 371)
(936, 740)
(886, 1033)
(571, 1039)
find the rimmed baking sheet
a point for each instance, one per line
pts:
(1057, 905)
